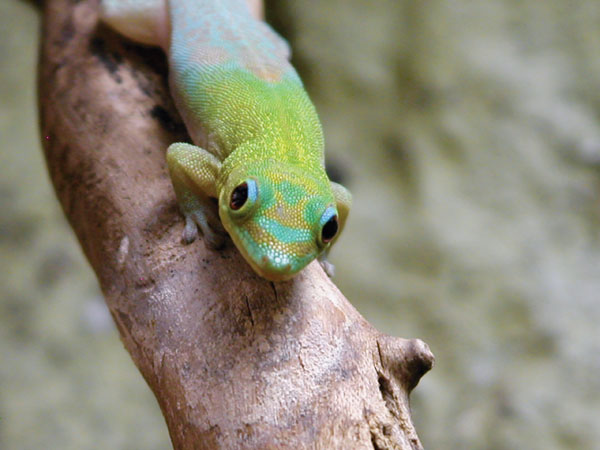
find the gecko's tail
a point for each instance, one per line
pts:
(144, 21)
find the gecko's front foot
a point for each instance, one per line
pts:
(214, 236)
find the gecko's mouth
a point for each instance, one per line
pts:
(272, 270)
(277, 268)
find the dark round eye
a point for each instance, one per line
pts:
(329, 229)
(239, 196)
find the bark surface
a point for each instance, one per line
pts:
(234, 361)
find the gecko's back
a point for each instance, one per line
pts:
(231, 78)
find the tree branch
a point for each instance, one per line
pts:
(235, 361)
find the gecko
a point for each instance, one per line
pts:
(258, 146)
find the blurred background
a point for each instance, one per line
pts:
(469, 134)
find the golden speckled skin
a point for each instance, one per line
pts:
(253, 125)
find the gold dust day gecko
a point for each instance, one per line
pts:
(258, 140)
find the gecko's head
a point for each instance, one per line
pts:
(279, 217)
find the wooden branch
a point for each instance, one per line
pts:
(234, 361)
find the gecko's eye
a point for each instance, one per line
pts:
(239, 196)
(243, 196)
(329, 229)
(329, 225)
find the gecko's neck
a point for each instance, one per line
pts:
(282, 156)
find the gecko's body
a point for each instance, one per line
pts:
(259, 143)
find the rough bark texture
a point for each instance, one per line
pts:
(234, 361)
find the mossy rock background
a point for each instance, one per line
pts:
(469, 134)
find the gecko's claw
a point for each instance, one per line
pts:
(327, 267)
(190, 232)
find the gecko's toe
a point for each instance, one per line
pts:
(190, 232)
(328, 267)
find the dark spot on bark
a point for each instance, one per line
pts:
(385, 388)
(274, 290)
(164, 118)
(143, 282)
(151, 57)
(109, 60)
(249, 310)
(374, 442)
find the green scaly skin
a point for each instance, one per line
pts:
(253, 125)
